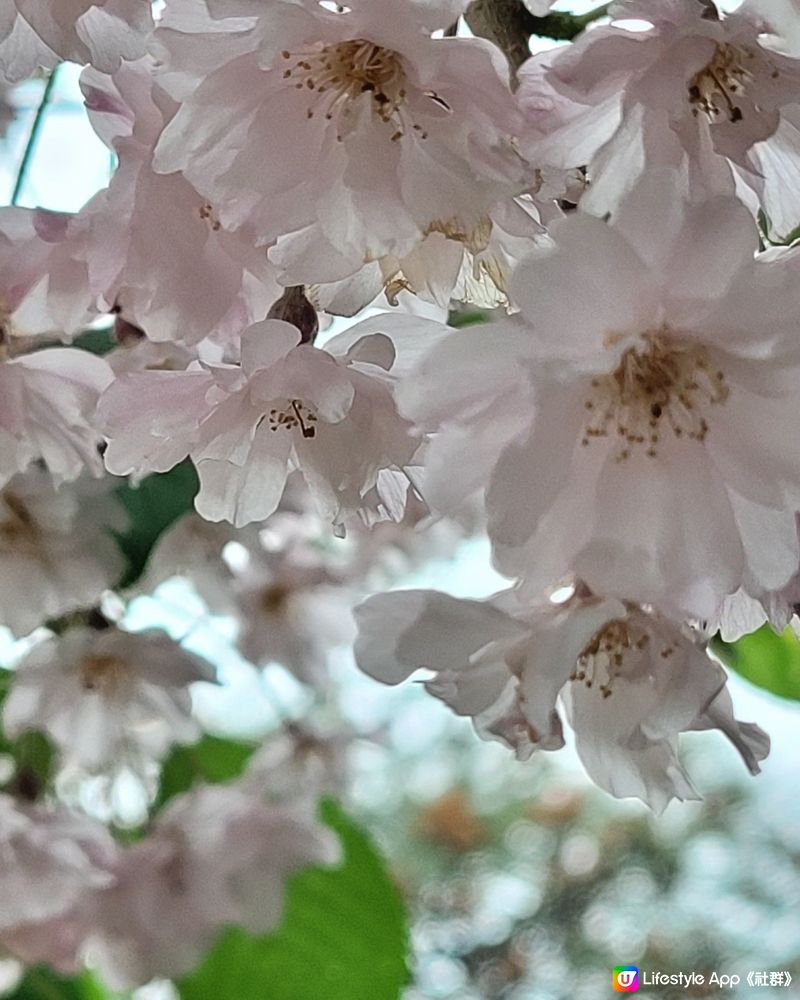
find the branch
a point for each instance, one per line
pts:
(509, 24)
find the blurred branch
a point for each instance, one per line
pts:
(33, 136)
(509, 24)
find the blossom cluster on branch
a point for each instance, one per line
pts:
(617, 213)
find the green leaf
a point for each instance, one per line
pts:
(343, 936)
(212, 759)
(41, 983)
(768, 660)
(97, 341)
(459, 318)
(33, 753)
(152, 506)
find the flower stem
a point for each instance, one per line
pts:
(36, 128)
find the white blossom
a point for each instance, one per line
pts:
(217, 855)
(659, 373)
(57, 551)
(53, 862)
(102, 32)
(695, 90)
(289, 405)
(355, 127)
(107, 698)
(47, 400)
(629, 681)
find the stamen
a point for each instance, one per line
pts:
(206, 213)
(663, 385)
(714, 88)
(606, 652)
(295, 414)
(339, 75)
(104, 673)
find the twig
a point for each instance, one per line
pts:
(36, 128)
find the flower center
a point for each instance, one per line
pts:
(606, 652)
(208, 215)
(338, 75)
(661, 386)
(18, 529)
(274, 598)
(714, 88)
(482, 277)
(475, 238)
(295, 414)
(104, 673)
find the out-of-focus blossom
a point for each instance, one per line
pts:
(54, 862)
(193, 548)
(107, 698)
(293, 609)
(629, 681)
(289, 405)
(102, 32)
(57, 551)
(352, 127)
(217, 855)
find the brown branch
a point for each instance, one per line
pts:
(509, 24)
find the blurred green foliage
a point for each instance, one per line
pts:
(212, 759)
(41, 983)
(152, 507)
(766, 659)
(343, 936)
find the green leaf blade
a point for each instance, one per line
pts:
(343, 936)
(766, 659)
(152, 507)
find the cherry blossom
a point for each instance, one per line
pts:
(107, 698)
(356, 127)
(102, 32)
(648, 465)
(57, 551)
(53, 863)
(155, 251)
(293, 609)
(393, 302)
(629, 681)
(449, 263)
(47, 400)
(289, 405)
(695, 90)
(42, 283)
(217, 855)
